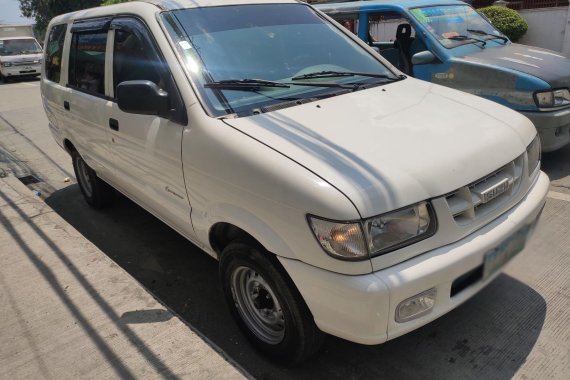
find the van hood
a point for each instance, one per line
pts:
(548, 65)
(394, 145)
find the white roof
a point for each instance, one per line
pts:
(183, 4)
(145, 6)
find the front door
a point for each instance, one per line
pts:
(147, 149)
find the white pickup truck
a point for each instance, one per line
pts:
(20, 53)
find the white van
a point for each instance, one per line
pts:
(20, 53)
(338, 195)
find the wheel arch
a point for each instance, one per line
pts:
(239, 224)
(68, 145)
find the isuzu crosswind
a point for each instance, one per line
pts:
(339, 195)
(449, 43)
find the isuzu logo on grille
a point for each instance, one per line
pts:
(493, 191)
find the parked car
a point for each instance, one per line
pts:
(339, 196)
(449, 43)
(20, 53)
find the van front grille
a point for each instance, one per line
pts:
(24, 63)
(481, 197)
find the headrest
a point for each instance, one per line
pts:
(404, 30)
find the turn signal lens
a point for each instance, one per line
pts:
(340, 240)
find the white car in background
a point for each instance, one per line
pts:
(20, 53)
(339, 195)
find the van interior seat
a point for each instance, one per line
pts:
(403, 43)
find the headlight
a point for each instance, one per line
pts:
(384, 233)
(533, 155)
(339, 239)
(7, 64)
(552, 99)
(399, 228)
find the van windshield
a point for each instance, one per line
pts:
(19, 46)
(244, 58)
(455, 25)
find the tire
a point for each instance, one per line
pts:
(96, 192)
(266, 304)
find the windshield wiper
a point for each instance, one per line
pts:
(483, 33)
(333, 74)
(466, 38)
(245, 84)
(257, 84)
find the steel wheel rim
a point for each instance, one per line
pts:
(257, 305)
(84, 178)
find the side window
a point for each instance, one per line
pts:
(54, 51)
(87, 62)
(349, 21)
(383, 27)
(135, 58)
(396, 39)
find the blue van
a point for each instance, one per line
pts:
(449, 43)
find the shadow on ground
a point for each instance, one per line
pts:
(18, 80)
(557, 165)
(488, 337)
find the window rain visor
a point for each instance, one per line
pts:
(266, 42)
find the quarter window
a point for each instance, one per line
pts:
(87, 62)
(53, 52)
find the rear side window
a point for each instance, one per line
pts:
(53, 52)
(87, 62)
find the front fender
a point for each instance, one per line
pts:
(233, 178)
(502, 85)
(250, 223)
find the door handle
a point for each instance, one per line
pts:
(66, 105)
(114, 124)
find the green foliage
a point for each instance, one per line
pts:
(44, 10)
(508, 21)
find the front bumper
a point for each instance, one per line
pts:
(362, 308)
(17, 71)
(553, 128)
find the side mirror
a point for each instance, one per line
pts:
(142, 97)
(423, 57)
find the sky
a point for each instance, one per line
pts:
(10, 13)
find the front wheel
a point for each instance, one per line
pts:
(96, 192)
(266, 305)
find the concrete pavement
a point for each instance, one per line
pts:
(68, 311)
(515, 328)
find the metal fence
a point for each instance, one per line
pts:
(524, 4)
